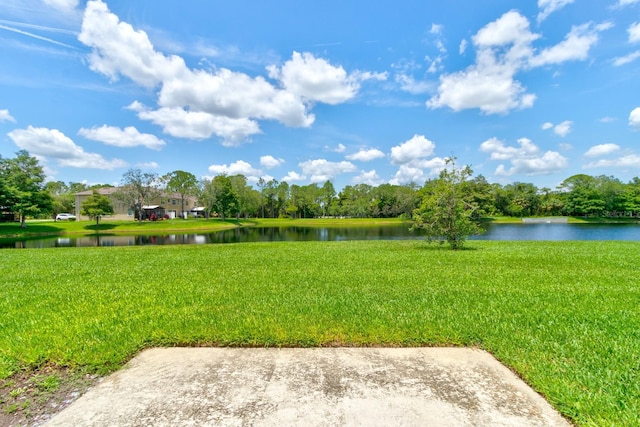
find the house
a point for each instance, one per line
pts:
(168, 204)
(6, 216)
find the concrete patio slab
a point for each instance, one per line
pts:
(311, 387)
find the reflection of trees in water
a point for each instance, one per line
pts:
(277, 234)
(236, 235)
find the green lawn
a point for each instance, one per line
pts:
(50, 227)
(564, 315)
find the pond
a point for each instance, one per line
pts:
(519, 231)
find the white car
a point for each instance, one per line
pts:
(65, 216)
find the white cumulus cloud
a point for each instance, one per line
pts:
(575, 46)
(415, 172)
(366, 155)
(50, 144)
(407, 174)
(418, 147)
(602, 150)
(525, 159)
(563, 129)
(504, 48)
(548, 163)
(239, 167)
(368, 177)
(412, 158)
(293, 176)
(634, 32)
(634, 118)
(181, 123)
(118, 49)
(500, 151)
(270, 162)
(321, 170)
(127, 137)
(339, 149)
(200, 103)
(6, 117)
(630, 160)
(489, 84)
(315, 79)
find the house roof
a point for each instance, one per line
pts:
(103, 190)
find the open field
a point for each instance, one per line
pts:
(564, 315)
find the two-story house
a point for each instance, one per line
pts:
(168, 204)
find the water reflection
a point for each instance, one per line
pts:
(396, 232)
(543, 231)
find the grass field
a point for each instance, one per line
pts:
(564, 315)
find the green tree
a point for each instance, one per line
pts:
(551, 202)
(612, 192)
(271, 193)
(219, 196)
(327, 196)
(519, 199)
(24, 190)
(262, 184)
(305, 198)
(632, 197)
(480, 192)
(248, 199)
(138, 189)
(283, 197)
(3, 186)
(183, 183)
(445, 213)
(582, 195)
(392, 201)
(63, 195)
(96, 206)
(356, 200)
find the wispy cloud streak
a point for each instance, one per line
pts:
(38, 27)
(35, 36)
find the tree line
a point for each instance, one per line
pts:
(25, 192)
(578, 195)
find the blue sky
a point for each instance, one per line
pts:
(302, 91)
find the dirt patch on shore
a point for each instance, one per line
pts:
(32, 398)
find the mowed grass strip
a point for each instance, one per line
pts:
(564, 315)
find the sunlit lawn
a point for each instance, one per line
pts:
(564, 315)
(41, 228)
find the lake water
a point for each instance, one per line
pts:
(539, 231)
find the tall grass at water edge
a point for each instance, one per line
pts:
(564, 315)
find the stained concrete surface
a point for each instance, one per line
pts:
(311, 387)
